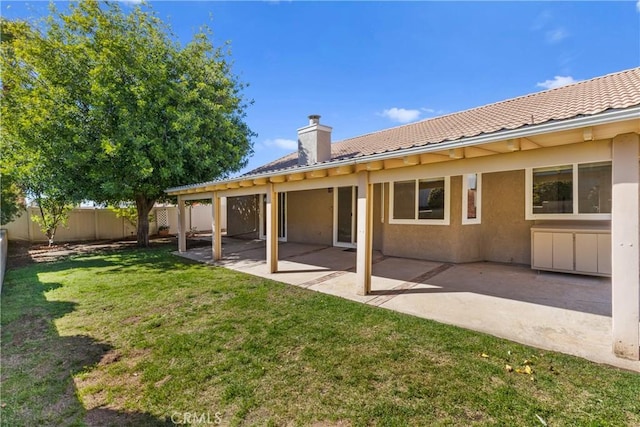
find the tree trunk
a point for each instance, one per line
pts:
(143, 206)
(50, 235)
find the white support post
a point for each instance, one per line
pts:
(216, 228)
(625, 245)
(272, 229)
(182, 229)
(364, 233)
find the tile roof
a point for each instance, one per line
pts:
(614, 91)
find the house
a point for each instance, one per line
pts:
(549, 179)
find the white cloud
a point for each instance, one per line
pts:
(556, 35)
(433, 111)
(542, 20)
(553, 33)
(638, 6)
(401, 115)
(557, 81)
(285, 144)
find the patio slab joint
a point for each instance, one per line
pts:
(385, 296)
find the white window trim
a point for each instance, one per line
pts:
(465, 199)
(262, 231)
(528, 213)
(283, 202)
(447, 200)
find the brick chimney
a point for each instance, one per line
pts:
(314, 142)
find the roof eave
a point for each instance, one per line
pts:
(501, 135)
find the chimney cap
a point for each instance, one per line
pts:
(314, 119)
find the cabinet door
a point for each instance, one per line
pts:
(542, 250)
(604, 253)
(563, 251)
(587, 253)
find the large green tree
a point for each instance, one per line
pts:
(29, 164)
(118, 108)
(11, 199)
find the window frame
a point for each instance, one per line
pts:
(416, 221)
(465, 199)
(283, 223)
(529, 215)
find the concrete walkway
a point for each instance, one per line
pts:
(566, 313)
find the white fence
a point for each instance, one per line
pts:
(103, 224)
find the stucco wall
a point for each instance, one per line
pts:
(310, 216)
(506, 235)
(243, 217)
(453, 243)
(502, 236)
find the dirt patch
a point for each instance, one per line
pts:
(136, 356)
(133, 320)
(28, 327)
(109, 358)
(21, 254)
(339, 423)
(10, 362)
(93, 385)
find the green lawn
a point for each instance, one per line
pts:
(136, 337)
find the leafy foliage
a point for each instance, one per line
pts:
(552, 191)
(436, 198)
(115, 109)
(128, 212)
(11, 200)
(54, 212)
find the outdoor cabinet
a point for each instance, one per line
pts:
(576, 249)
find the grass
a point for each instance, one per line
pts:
(138, 337)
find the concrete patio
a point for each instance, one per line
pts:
(553, 311)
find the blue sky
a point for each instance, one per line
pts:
(367, 66)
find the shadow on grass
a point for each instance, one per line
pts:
(109, 262)
(39, 365)
(23, 254)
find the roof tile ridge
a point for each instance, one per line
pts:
(481, 107)
(477, 108)
(574, 84)
(543, 92)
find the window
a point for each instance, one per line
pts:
(471, 184)
(594, 188)
(553, 190)
(423, 201)
(570, 191)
